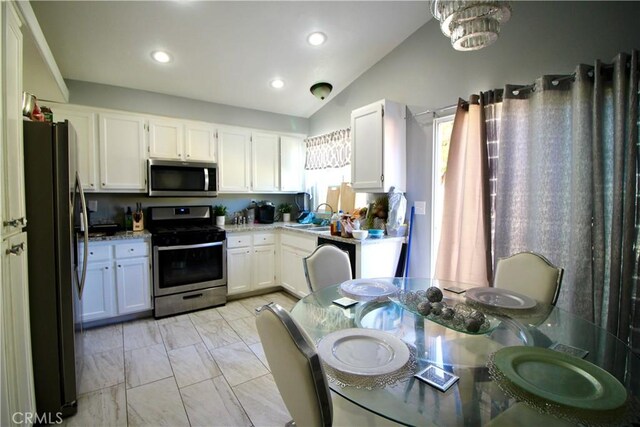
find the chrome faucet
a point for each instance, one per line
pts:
(325, 204)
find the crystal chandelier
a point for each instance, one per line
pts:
(471, 24)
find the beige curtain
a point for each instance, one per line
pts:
(464, 253)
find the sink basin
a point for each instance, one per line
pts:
(310, 227)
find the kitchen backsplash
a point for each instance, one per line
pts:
(111, 206)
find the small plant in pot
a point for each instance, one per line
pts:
(285, 210)
(220, 211)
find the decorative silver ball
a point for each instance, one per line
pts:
(434, 294)
(424, 308)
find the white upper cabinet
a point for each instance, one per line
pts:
(13, 201)
(122, 152)
(292, 157)
(86, 127)
(234, 150)
(166, 139)
(265, 162)
(200, 142)
(378, 147)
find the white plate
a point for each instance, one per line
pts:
(363, 351)
(501, 298)
(368, 288)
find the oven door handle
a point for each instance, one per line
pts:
(200, 245)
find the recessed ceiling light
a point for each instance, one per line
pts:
(317, 38)
(277, 83)
(161, 56)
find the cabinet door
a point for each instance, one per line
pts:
(200, 142)
(292, 271)
(264, 266)
(265, 162)
(86, 127)
(234, 149)
(238, 270)
(122, 152)
(366, 147)
(132, 285)
(14, 211)
(99, 295)
(165, 139)
(292, 158)
(16, 331)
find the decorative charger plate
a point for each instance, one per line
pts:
(560, 378)
(368, 288)
(363, 351)
(501, 298)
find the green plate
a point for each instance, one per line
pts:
(560, 378)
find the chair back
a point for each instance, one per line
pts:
(530, 274)
(295, 366)
(327, 265)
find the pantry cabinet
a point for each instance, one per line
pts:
(85, 125)
(122, 152)
(378, 147)
(118, 279)
(12, 173)
(251, 261)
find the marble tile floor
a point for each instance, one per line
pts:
(199, 369)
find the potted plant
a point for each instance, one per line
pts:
(285, 210)
(220, 211)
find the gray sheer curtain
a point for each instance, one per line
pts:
(566, 185)
(464, 252)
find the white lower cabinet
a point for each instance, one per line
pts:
(251, 261)
(118, 280)
(293, 248)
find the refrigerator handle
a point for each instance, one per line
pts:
(85, 221)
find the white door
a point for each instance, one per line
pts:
(86, 127)
(265, 162)
(238, 270)
(14, 211)
(234, 150)
(264, 259)
(99, 295)
(122, 152)
(366, 147)
(200, 142)
(292, 158)
(132, 285)
(16, 330)
(166, 139)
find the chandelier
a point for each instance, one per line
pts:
(471, 24)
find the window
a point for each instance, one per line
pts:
(442, 128)
(319, 180)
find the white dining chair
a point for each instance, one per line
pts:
(530, 274)
(327, 265)
(300, 377)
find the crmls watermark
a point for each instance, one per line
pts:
(34, 418)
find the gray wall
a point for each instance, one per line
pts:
(425, 73)
(119, 98)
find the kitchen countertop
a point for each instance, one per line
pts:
(230, 228)
(120, 235)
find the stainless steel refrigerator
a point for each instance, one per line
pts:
(54, 202)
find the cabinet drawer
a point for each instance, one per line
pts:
(130, 250)
(238, 240)
(96, 252)
(264, 239)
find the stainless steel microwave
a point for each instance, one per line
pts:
(182, 179)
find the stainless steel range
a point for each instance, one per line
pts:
(189, 259)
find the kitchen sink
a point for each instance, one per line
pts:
(310, 227)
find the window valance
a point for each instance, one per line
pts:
(331, 150)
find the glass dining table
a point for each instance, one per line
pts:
(476, 398)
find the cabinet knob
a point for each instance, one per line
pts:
(90, 253)
(90, 185)
(16, 249)
(131, 250)
(106, 268)
(188, 155)
(119, 266)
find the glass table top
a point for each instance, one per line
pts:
(474, 399)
